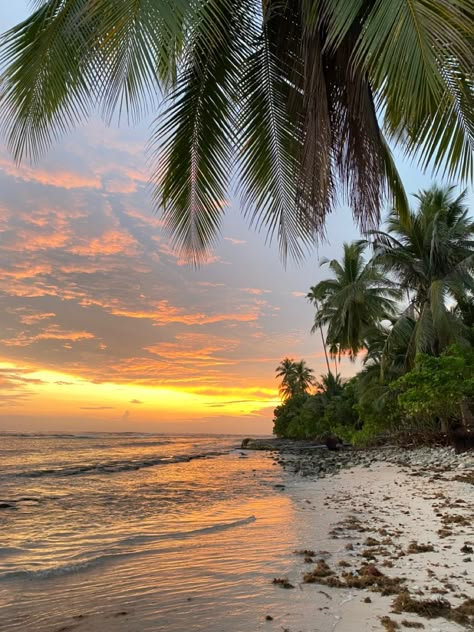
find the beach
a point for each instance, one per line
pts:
(196, 543)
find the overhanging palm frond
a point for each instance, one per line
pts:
(419, 57)
(70, 56)
(270, 139)
(45, 89)
(290, 88)
(193, 141)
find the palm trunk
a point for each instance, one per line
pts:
(325, 349)
(466, 415)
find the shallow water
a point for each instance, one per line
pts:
(177, 532)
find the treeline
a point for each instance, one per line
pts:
(402, 302)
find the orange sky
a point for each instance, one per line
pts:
(104, 328)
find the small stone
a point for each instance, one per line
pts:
(268, 618)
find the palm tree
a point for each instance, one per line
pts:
(330, 385)
(356, 299)
(431, 255)
(286, 370)
(311, 296)
(284, 96)
(297, 378)
(304, 377)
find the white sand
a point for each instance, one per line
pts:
(385, 496)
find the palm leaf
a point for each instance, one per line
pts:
(419, 57)
(70, 56)
(270, 137)
(194, 137)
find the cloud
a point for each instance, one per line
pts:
(235, 242)
(96, 407)
(60, 178)
(197, 349)
(31, 319)
(92, 288)
(16, 386)
(111, 242)
(299, 294)
(255, 291)
(53, 332)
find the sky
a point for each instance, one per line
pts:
(104, 327)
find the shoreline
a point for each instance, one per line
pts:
(315, 460)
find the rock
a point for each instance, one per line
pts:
(333, 443)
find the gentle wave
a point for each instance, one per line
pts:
(100, 558)
(182, 535)
(112, 467)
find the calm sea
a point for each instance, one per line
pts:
(148, 532)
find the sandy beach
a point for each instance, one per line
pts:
(405, 524)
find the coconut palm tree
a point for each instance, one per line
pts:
(358, 297)
(286, 371)
(297, 378)
(304, 377)
(286, 98)
(330, 385)
(431, 255)
(311, 296)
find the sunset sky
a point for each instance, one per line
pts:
(104, 328)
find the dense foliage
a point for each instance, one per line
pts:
(408, 314)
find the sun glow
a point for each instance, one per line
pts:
(58, 394)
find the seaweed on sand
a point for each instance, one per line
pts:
(320, 571)
(367, 576)
(282, 581)
(389, 624)
(468, 477)
(433, 608)
(415, 547)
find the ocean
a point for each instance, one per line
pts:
(141, 533)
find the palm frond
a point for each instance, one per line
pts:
(419, 57)
(71, 56)
(194, 139)
(270, 136)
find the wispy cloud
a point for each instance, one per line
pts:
(234, 241)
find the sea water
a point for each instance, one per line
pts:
(140, 532)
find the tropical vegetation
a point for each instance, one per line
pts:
(401, 303)
(295, 101)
